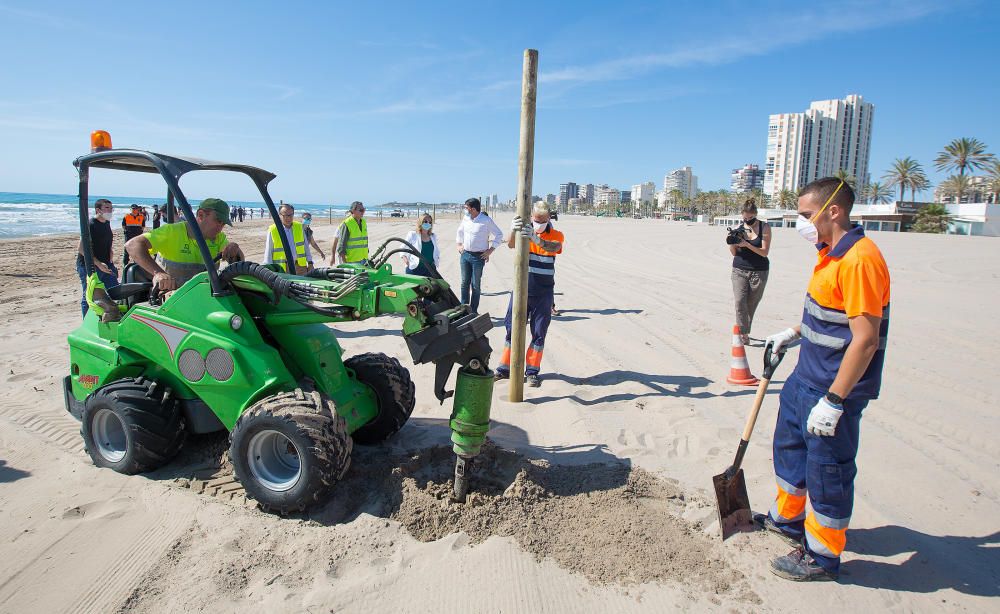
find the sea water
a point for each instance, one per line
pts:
(30, 215)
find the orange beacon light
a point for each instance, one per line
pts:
(99, 140)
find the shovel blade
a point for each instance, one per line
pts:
(733, 503)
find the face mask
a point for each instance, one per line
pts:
(539, 226)
(750, 222)
(426, 225)
(307, 221)
(807, 230)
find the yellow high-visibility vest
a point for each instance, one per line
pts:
(278, 252)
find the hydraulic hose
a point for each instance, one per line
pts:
(279, 285)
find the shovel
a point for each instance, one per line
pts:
(730, 486)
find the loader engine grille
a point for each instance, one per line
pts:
(191, 364)
(219, 364)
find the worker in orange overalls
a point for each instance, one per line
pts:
(134, 224)
(845, 325)
(546, 242)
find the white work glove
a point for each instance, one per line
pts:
(778, 341)
(528, 232)
(823, 419)
(516, 224)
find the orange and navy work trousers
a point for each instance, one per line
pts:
(539, 318)
(820, 468)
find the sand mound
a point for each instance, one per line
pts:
(611, 523)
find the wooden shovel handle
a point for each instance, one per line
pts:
(757, 402)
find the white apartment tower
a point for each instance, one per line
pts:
(831, 135)
(681, 179)
(643, 192)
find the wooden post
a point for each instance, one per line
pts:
(525, 169)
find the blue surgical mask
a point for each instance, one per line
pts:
(426, 225)
(307, 221)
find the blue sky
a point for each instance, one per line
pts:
(420, 101)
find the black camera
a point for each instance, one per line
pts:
(735, 235)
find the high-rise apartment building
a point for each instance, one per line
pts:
(643, 192)
(607, 197)
(747, 179)
(587, 193)
(681, 179)
(567, 191)
(831, 135)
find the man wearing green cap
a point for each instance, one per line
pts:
(177, 256)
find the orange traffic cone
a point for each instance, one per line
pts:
(739, 369)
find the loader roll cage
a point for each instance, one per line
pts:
(171, 169)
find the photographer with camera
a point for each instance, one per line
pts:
(749, 244)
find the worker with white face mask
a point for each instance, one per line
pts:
(546, 242)
(844, 329)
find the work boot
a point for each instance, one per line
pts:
(533, 381)
(499, 375)
(763, 521)
(799, 566)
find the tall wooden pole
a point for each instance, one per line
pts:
(525, 169)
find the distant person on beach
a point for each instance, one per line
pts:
(350, 246)
(262, 213)
(133, 224)
(274, 251)
(750, 267)
(546, 243)
(475, 246)
(157, 215)
(307, 219)
(101, 245)
(178, 258)
(424, 241)
(844, 330)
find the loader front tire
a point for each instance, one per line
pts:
(289, 450)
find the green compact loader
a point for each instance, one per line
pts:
(249, 349)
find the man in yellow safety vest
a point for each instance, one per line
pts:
(351, 244)
(275, 252)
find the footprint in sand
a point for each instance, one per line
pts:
(94, 510)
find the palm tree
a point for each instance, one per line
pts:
(878, 193)
(932, 218)
(957, 186)
(907, 173)
(787, 198)
(993, 180)
(845, 177)
(962, 154)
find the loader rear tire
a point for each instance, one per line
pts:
(394, 391)
(132, 426)
(289, 450)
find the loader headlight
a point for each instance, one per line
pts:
(236, 322)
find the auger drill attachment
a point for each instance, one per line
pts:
(470, 420)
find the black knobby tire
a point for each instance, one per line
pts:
(394, 391)
(308, 422)
(132, 426)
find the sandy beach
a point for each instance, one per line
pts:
(596, 495)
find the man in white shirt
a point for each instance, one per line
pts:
(475, 247)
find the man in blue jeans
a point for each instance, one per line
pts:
(475, 247)
(101, 240)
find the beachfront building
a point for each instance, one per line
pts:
(626, 196)
(567, 191)
(980, 190)
(550, 200)
(747, 179)
(831, 135)
(607, 197)
(587, 193)
(643, 192)
(681, 179)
